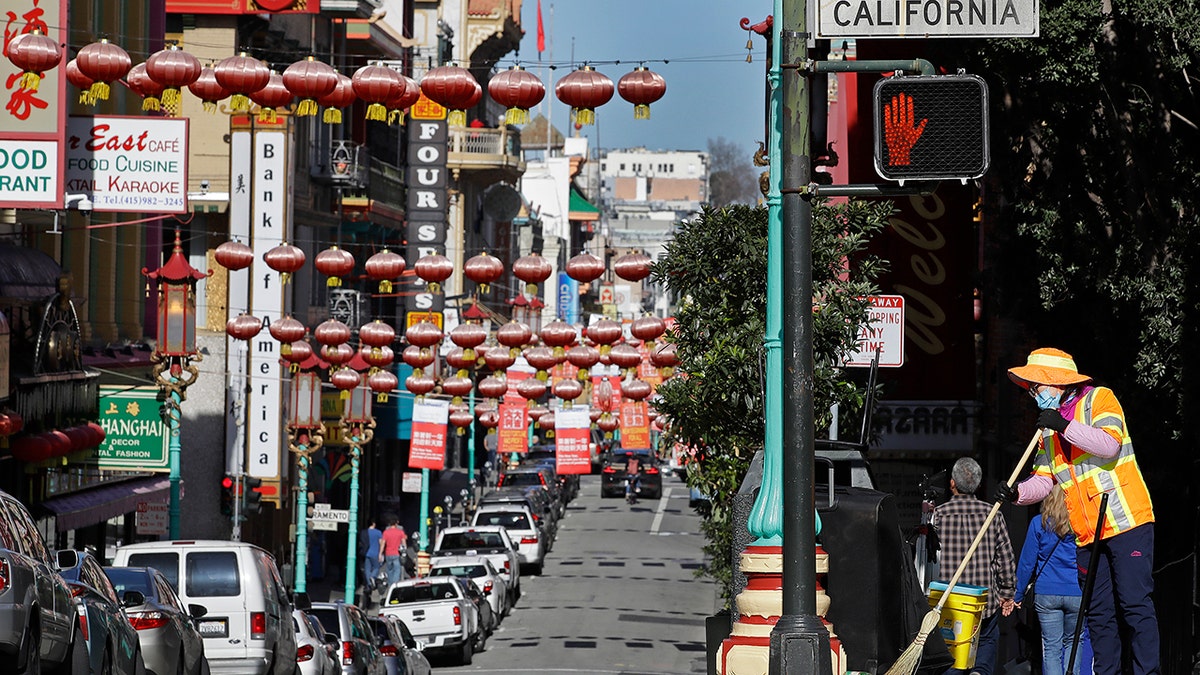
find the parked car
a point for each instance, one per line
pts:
(248, 626)
(360, 653)
(482, 574)
(402, 653)
(523, 476)
(39, 626)
(113, 646)
(491, 541)
(441, 612)
(165, 628)
(548, 459)
(522, 528)
(536, 500)
(612, 476)
(315, 652)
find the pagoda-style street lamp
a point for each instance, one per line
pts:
(358, 428)
(175, 353)
(306, 435)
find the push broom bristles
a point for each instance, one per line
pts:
(910, 658)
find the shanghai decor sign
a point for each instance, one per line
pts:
(135, 438)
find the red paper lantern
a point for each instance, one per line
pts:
(518, 90)
(416, 357)
(234, 255)
(594, 414)
(285, 259)
(537, 412)
(174, 69)
(647, 328)
(457, 359)
(80, 437)
(583, 357)
(243, 327)
(34, 54)
(423, 334)
(458, 387)
(334, 263)
(546, 422)
(461, 418)
(332, 332)
(568, 390)
(80, 81)
(434, 269)
(383, 383)
(468, 336)
(345, 379)
(98, 433)
(541, 358)
(499, 359)
(607, 423)
(342, 96)
(419, 383)
(5, 425)
(309, 80)
(635, 390)
(531, 389)
(271, 96)
(377, 357)
(604, 332)
(483, 269)
(287, 330)
(532, 269)
(641, 88)
(584, 90)
(489, 419)
(633, 266)
(559, 335)
(585, 268)
(241, 75)
(664, 356)
(103, 63)
(377, 84)
(32, 448)
(377, 334)
(384, 267)
(296, 352)
(492, 387)
(514, 335)
(410, 94)
(140, 83)
(208, 90)
(454, 88)
(625, 356)
(338, 355)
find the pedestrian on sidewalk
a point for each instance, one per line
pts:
(372, 554)
(395, 541)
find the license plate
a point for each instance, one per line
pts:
(213, 628)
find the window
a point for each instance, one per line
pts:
(622, 166)
(124, 579)
(167, 563)
(212, 574)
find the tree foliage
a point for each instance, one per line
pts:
(716, 269)
(731, 176)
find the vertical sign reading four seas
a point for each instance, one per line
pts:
(427, 188)
(572, 434)
(268, 222)
(428, 447)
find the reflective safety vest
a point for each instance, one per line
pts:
(1084, 477)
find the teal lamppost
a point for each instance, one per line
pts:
(358, 428)
(175, 355)
(306, 435)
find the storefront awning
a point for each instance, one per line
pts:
(89, 507)
(581, 208)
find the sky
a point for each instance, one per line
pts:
(711, 90)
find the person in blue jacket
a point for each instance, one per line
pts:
(1049, 553)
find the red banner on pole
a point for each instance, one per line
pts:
(572, 434)
(428, 447)
(635, 425)
(513, 429)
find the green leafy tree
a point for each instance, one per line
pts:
(716, 269)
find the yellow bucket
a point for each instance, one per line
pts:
(961, 616)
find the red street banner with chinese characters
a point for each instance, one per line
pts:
(635, 425)
(646, 371)
(513, 429)
(563, 371)
(572, 433)
(428, 447)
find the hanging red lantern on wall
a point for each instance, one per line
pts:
(80, 437)
(584, 90)
(483, 269)
(533, 269)
(410, 94)
(633, 266)
(241, 75)
(31, 449)
(272, 96)
(285, 259)
(243, 327)
(383, 383)
(309, 80)
(234, 255)
(641, 87)
(208, 90)
(342, 96)
(384, 267)
(140, 83)
(454, 88)
(81, 82)
(103, 63)
(518, 90)
(647, 328)
(433, 270)
(377, 84)
(173, 69)
(34, 54)
(334, 263)
(585, 268)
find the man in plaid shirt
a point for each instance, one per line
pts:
(957, 522)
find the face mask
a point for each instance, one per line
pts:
(1047, 400)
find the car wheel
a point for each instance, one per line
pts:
(536, 568)
(467, 655)
(33, 653)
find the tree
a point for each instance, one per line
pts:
(716, 269)
(731, 177)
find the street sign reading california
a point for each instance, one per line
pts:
(927, 18)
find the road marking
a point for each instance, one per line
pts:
(662, 507)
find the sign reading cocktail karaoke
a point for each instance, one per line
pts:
(128, 163)
(135, 438)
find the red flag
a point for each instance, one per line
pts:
(541, 30)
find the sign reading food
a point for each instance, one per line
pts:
(128, 163)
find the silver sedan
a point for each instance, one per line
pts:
(165, 627)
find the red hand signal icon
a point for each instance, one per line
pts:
(899, 132)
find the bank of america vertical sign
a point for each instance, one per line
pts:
(426, 207)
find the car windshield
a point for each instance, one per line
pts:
(422, 593)
(471, 540)
(520, 479)
(513, 520)
(458, 571)
(124, 579)
(328, 616)
(167, 563)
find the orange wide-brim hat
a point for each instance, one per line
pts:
(1048, 366)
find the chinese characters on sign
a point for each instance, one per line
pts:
(513, 429)
(572, 434)
(135, 437)
(428, 447)
(635, 425)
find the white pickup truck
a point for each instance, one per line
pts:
(439, 613)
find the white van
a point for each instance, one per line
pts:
(248, 628)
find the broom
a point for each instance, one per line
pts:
(910, 658)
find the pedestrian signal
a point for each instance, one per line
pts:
(932, 127)
(251, 497)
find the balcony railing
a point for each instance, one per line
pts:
(479, 149)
